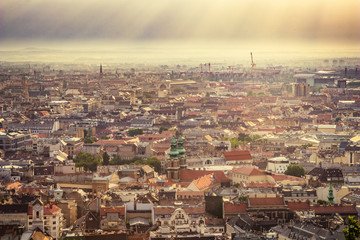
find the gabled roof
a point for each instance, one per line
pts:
(120, 210)
(205, 182)
(187, 175)
(249, 171)
(235, 208)
(330, 209)
(281, 177)
(49, 209)
(298, 206)
(237, 155)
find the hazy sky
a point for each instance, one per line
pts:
(49, 20)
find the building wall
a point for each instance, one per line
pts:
(240, 178)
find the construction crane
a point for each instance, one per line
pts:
(253, 65)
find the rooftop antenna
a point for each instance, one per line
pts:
(253, 65)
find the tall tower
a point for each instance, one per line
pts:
(182, 151)
(25, 89)
(37, 215)
(101, 69)
(173, 166)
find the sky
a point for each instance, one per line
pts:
(180, 20)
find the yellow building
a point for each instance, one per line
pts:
(250, 175)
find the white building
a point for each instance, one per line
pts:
(46, 217)
(277, 164)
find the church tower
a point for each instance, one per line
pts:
(25, 89)
(182, 151)
(173, 166)
(37, 215)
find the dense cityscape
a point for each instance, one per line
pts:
(177, 152)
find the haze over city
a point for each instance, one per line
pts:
(179, 30)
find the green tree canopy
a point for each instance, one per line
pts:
(116, 160)
(295, 170)
(154, 163)
(244, 137)
(243, 198)
(106, 159)
(88, 139)
(162, 128)
(88, 161)
(352, 232)
(135, 131)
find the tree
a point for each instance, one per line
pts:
(295, 170)
(352, 232)
(306, 145)
(88, 161)
(244, 137)
(322, 202)
(243, 198)
(116, 160)
(161, 129)
(178, 90)
(250, 93)
(234, 142)
(106, 159)
(135, 131)
(88, 139)
(154, 163)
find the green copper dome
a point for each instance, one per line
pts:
(173, 150)
(180, 148)
(331, 195)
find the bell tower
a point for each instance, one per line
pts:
(173, 166)
(37, 214)
(182, 151)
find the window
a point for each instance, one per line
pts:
(37, 214)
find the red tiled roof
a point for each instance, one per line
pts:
(163, 210)
(48, 209)
(232, 207)
(105, 210)
(250, 171)
(205, 181)
(282, 177)
(266, 201)
(321, 209)
(237, 155)
(190, 175)
(195, 210)
(298, 206)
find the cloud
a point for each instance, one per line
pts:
(180, 19)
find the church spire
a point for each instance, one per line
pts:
(180, 147)
(173, 150)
